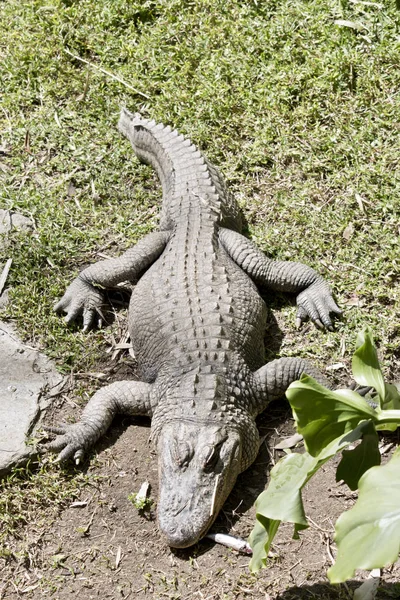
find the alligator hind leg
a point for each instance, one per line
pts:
(314, 296)
(273, 379)
(125, 397)
(84, 296)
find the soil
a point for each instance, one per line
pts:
(101, 547)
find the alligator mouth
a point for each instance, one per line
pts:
(184, 535)
(183, 526)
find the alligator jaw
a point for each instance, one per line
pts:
(198, 467)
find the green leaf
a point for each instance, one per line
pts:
(356, 462)
(365, 364)
(282, 500)
(392, 397)
(323, 415)
(260, 541)
(368, 535)
(392, 402)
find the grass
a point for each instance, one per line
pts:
(48, 492)
(300, 113)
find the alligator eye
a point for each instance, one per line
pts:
(212, 457)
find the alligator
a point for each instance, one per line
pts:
(196, 322)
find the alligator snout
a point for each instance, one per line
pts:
(179, 535)
(180, 520)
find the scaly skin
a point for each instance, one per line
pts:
(197, 324)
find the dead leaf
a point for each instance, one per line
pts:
(360, 201)
(289, 442)
(336, 367)
(144, 491)
(367, 591)
(348, 232)
(27, 146)
(118, 557)
(71, 190)
(350, 24)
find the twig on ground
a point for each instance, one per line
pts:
(119, 79)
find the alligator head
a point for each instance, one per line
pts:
(198, 466)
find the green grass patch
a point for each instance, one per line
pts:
(34, 495)
(299, 112)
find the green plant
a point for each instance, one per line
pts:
(141, 503)
(367, 536)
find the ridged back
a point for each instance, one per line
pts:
(184, 172)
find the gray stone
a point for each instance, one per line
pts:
(4, 299)
(12, 220)
(25, 377)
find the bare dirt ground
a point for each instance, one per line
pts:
(101, 547)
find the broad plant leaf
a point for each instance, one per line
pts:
(388, 420)
(365, 364)
(368, 535)
(282, 500)
(392, 402)
(323, 415)
(260, 541)
(392, 397)
(356, 462)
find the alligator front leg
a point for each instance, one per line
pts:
(314, 297)
(273, 379)
(125, 397)
(84, 296)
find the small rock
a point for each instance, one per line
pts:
(13, 220)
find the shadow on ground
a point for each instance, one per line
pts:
(325, 591)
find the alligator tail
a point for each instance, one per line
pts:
(181, 167)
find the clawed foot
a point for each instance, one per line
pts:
(316, 302)
(71, 441)
(82, 299)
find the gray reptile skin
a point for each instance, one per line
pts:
(197, 323)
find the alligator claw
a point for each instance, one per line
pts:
(318, 324)
(70, 441)
(78, 456)
(81, 299)
(316, 302)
